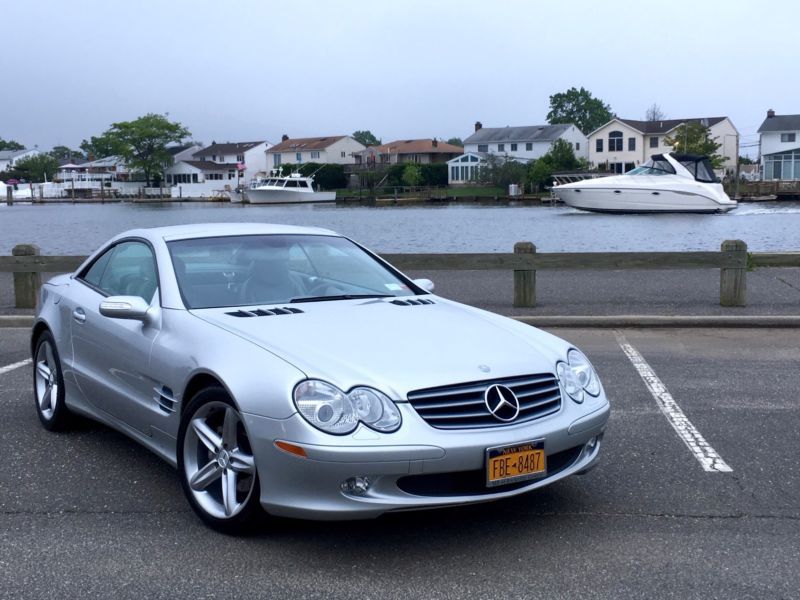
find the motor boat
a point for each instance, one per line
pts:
(667, 182)
(291, 188)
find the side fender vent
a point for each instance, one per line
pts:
(266, 312)
(165, 399)
(413, 302)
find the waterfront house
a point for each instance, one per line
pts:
(623, 144)
(521, 144)
(422, 151)
(334, 149)
(250, 155)
(9, 157)
(779, 147)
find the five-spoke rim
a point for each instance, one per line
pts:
(218, 461)
(46, 380)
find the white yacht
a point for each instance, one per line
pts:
(666, 183)
(280, 190)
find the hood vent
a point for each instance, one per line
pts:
(264, 312)
(412, 302)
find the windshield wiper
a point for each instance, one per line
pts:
(339, 297)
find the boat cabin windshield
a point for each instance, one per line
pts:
(700, 168)
(654, 166)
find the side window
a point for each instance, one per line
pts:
(95, 272)
(130, 270)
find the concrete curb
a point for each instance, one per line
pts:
(644, 321)
(599, 322)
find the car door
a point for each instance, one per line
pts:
(112, 356)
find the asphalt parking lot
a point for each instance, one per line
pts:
(90, 514)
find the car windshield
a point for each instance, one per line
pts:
(653, 167)
(276, 269)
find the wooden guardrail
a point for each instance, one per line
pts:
(732, 260)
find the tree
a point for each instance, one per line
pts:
(143, 142)
(693, 137)
(746, 160)
(560, 157)
(579, 107)
(101, 146)
(366, 137)
(500, 171)
(64, 153)
(654, 113)
(36, 169)
(10, 145)
(412, 175)
(456, 141)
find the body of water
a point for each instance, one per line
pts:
(80, 228)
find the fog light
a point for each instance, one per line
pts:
(357, 486)
(591, 444)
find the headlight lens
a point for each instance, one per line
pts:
(578, 376)
(330, 409)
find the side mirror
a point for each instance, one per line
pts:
(125, 307)
(425, 284)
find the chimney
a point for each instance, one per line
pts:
(770, 113)
(435, 143)
(478, 125)
(284, 137)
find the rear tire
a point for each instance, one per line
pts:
(48, 385)
(216, 464)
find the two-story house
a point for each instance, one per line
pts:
(421, 151)
(521, 144)
(231, 162)
(779, 147)
(623, 144)
(9, 157)
(332, 149)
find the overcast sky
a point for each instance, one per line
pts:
(246, 70)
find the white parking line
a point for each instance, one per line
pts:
(15, 365)
(698, 446)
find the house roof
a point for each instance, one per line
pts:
(9, 154)
(527, 133)
(305, 144)
(173, 150)
(227, 148)
(780, 123)
(423, 146)
(666, 125)
(207, 165)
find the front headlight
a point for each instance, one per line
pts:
(330, 409)
(578, 376)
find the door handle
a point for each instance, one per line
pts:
(79, 315)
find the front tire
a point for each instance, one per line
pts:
(48, 385)
(216, 464)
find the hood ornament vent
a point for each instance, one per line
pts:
(412, 302)
(265, 312)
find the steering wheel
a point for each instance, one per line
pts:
(324, 288)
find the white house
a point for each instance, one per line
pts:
(623, 144)
(779, 146)
(249, 154)
(9, 157)
(335, 149)
(522, 144)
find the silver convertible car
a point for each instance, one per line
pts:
(292, 370)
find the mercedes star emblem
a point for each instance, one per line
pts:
(501, 402)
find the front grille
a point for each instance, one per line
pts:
(473, 483)
(462, 406)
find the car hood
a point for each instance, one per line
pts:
(395, 348)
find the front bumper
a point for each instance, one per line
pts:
(416, 467)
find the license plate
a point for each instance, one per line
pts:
(508, 464)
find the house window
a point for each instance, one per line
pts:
(615, 141)
(464, 172)
(513, 147)
(529, 146)
(298, 157)
(169, 178)
(194, 177)
(231, 174)
(344, 154)
(483, 147)
(501, 147)
(213, 158)
(276, 160)
(631, 144)
(598, 145)
(787, 137)
(654, 142)
(577, 145)
(315, 155)
(454, 173)
(240, 158)
(214, 176)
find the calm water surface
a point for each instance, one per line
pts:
(80, 228)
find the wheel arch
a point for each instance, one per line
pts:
(38, 329)
(200, 381)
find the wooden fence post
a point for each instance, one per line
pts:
(733, 281)
(10, 195)
(524, 281)
(26, 285)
